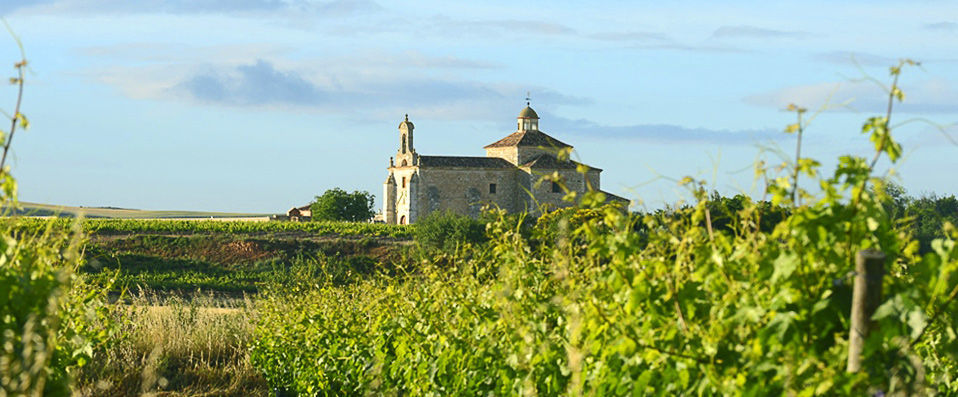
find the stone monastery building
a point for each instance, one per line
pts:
(507, 176)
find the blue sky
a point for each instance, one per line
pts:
(259, 105)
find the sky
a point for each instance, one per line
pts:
(260, 105)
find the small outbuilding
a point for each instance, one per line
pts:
(303, 213)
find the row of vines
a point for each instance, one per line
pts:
(159, 226)
(616, 304)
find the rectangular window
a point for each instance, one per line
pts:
(492, 188)
(556, 188)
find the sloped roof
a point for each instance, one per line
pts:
(462, 161)
(529, 138)
(546, 161)
(609, 197)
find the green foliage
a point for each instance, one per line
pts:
(337, 205)
(448, 231)
(52, 322)
(923, 217)
(644, 304)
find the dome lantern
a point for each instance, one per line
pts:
(528, 120)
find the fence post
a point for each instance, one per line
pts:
(866, 297)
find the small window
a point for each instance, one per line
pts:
(404, 182)
(492, 188)
(555, 188)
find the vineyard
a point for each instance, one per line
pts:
(597, 301)
(713, 296)
(157, 226)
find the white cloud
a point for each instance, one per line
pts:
(373, 93)
(327, 8)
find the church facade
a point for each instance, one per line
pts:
(506, 177)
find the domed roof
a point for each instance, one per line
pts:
(528, 113)
(408, 123)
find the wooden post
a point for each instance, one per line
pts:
(866, 297)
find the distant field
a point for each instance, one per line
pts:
(48, 210)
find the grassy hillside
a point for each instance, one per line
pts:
(231, 264)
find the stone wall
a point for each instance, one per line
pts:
(466, 190)
(509, 153)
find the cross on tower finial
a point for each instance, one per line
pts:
(407, 116)
(527, 98)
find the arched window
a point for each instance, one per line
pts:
(404, 163)
(402, 220)
(403, 146)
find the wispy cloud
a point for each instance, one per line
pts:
(445, 25)
(169, 53)
(365, 94)
(418, 60)
(8, 7)
(238, 53)
(256, 84)
(942, 26)
(330, 8)
(928, 96)
(684, 47)
(643, 40)
(745, 31)
(659, 133)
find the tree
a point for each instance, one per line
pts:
(337, 205)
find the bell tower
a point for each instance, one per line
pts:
(406, 155)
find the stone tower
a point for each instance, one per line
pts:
(406, 155)
(401, 189)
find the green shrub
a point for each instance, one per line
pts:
(448, 230)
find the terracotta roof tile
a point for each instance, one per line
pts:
(549, 162)
(529, 138)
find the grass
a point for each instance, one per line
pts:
(177, 347)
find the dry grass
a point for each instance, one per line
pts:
(173, 347)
